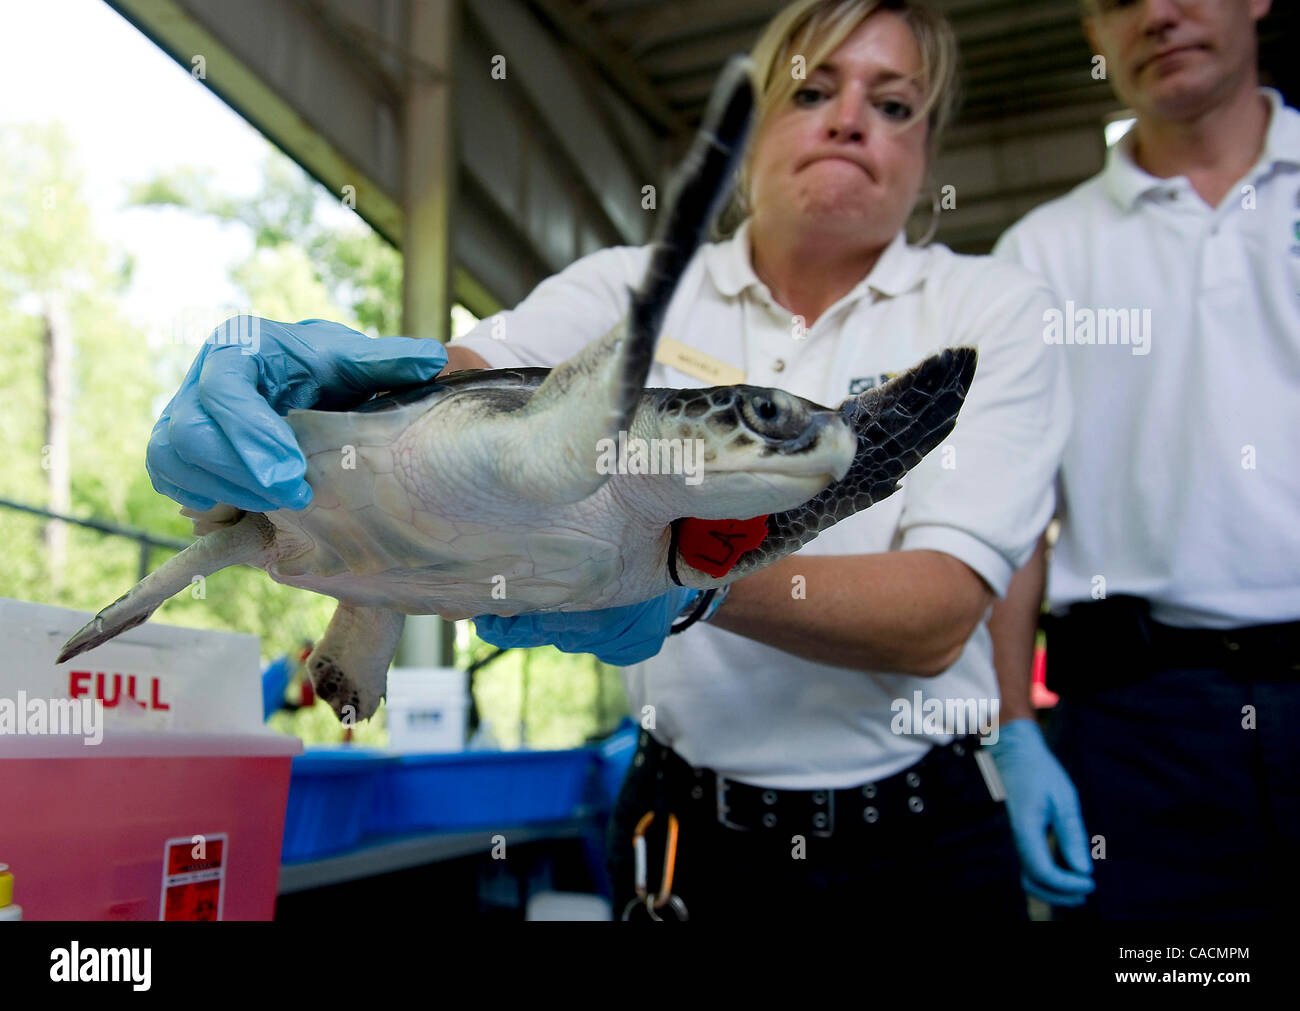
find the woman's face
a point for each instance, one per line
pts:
(838, 159)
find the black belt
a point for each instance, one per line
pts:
(1099, 645)
(1257, 646)
(909, 796)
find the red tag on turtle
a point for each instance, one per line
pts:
(715, 546)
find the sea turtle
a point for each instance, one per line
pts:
(489, 491)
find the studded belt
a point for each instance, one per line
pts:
(905, 797)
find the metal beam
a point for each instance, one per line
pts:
(263, 91)
(705, 54)
(565, 112)
(1041, 123)
(429, 173)
(666, 25)
(361, 52)
(344, 33)
(429, 165)
(623, 73)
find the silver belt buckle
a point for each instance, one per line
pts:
(722, 808)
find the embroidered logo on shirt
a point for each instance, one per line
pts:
(1295, 250)
(864, 383)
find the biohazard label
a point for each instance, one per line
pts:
(714, 546)
(194, 877)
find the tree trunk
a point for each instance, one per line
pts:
(54, 456)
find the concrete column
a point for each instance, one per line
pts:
(429, 169)
(428, 197)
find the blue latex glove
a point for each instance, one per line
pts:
(616, 635)
(1039, 794)
(222, 437)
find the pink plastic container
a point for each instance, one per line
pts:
(107, 832)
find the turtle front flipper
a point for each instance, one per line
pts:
(250, 541)
(349, 666)
(594, 395)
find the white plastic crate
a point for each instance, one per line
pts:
(427, 709)
(153, 677)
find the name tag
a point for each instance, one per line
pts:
(696, 363)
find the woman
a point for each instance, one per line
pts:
(784, 732)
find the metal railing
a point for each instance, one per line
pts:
(146, 540)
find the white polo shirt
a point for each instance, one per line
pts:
(748, 710)
(1181, 479)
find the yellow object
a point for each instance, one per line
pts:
(696, 363)
(670, 859)
(6, 886)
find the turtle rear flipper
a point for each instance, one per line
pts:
(248, 541)
(349, 666)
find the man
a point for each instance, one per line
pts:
(1175, 582)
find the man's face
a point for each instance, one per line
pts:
(1175, 59)
(842, 156)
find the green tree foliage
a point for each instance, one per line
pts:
(358, 269)
(570, 699)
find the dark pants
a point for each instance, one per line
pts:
(1199, 816)
(956, 852)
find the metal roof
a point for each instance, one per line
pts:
(1030, 121)
(600, 97)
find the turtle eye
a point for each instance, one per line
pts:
(767, 413)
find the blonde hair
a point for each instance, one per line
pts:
(813, 29)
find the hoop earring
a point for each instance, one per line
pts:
(935, 211)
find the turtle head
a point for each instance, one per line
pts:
(747, 450)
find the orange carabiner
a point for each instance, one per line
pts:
(670, 859)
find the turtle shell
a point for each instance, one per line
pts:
(516, 385)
